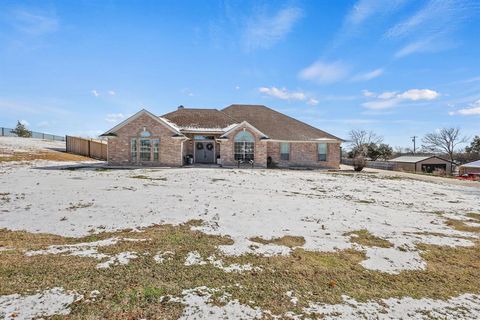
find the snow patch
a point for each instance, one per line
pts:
(55, 301)
(392, 260)
(121, 258)
(199, 305)
(466, 306)
(161, 257)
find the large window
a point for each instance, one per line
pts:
(244, 145)
(322, 152)
(145, 149)
(284, 150)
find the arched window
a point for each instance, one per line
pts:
(145, 134)
(244, 145)
(144, 147)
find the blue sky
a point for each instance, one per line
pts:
(400, 68)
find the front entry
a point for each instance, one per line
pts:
(205, 151)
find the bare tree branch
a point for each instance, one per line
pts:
(445, 140)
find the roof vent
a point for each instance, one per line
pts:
(180, 107)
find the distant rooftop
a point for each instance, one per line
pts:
(474, 164)
(411, 159)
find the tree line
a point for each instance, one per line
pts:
(445, 142)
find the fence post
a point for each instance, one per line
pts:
(3, 131)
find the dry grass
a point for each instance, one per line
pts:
(462, 226)
(288, 241)
(47, 155)
(144, 177)
(365, 238)
(134, 291)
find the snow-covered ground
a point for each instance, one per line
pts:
(9, 145)
(319, 206)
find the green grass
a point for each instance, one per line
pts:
(135, 290)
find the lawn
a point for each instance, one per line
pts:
(229, 243)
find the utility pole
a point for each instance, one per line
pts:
(414, 140)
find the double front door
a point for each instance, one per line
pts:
(205, 151)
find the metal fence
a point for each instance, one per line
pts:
(383, 165)
(7, 132)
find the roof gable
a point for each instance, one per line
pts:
(135, 116)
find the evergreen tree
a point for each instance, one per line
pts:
(21, 130)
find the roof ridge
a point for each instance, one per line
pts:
(285, 115)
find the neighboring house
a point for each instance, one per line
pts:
(427, 164)
(249, 134)
(470, 168)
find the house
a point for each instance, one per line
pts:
(470, 168)
(238, 134)
(427, 164)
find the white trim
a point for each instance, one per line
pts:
(137, 115)
(244, 123)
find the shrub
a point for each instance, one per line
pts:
(359, 163)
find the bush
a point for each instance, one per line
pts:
(22, 131)
(359, 163)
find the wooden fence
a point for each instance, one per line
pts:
(87, 147)
(383, 165)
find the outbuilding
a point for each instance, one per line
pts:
(426, 164)
(470, 168)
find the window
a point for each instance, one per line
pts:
(156, 145)
(145, 133)
(322, 152)
(145, 149)
(133, 149)
(244, 146)
(284, 150)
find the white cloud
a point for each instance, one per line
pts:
(33, 23)
(264, 31)
(367, 93)
(114, 117)
(365, 9)
(43, 124)
(237, 87)
(387, 95)
(284, 94)
(390, 99)
(431, 28)
(111, 92)
(419, 94)
(25, 123)
(368, 75)
(95, 93)
(473, 109)
(324, 73)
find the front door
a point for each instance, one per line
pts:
(204, 151)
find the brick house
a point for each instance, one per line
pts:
(239, 134)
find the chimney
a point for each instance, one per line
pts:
(180, 107)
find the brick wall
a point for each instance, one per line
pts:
(304, 154)
(227, 153)
(170, 150)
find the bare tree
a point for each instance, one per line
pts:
(359, 138)
(445, 140)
